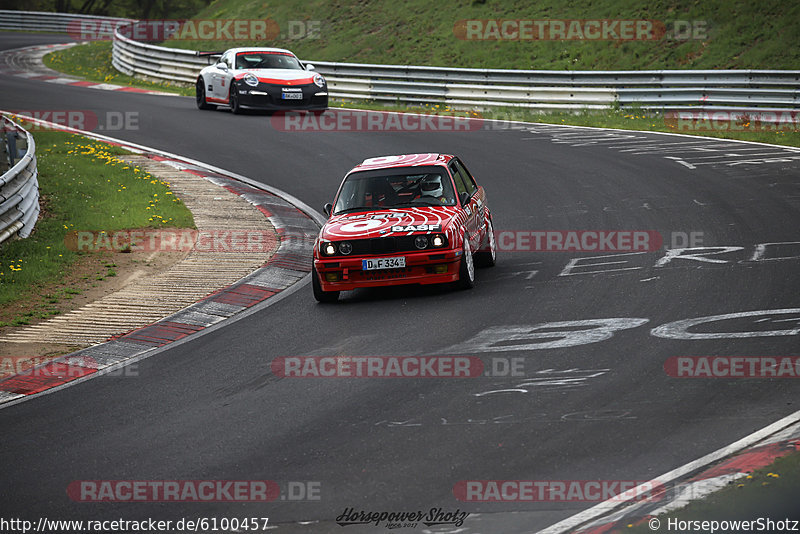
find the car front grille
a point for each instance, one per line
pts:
(384, 245)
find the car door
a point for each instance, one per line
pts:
(479, 199)
(465, 184)
(477, 191)
(222, 76)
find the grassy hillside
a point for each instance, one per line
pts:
(740, 33)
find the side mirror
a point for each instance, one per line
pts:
(222, 66)
(464, 197)
(310, 66)
(327, 209)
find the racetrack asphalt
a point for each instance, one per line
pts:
(212, 409)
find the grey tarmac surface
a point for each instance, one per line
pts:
(212, 409)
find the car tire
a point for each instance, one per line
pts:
(233, 101)
(466, 271)
(487, 255)
(319, 294)
(200, 95)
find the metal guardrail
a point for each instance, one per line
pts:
(166, 64)
(745, 90)
(56, 22)
(19, 186)
(457, 87)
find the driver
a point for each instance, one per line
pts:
(431, 186)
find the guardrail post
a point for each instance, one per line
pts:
(5, 156)
(19, 185)
(11, 148)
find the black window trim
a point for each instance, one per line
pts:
(452, 169)
(469, 175)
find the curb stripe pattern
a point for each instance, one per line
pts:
(288, 265)
(27, 63)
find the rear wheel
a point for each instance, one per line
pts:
(466, 271)
(319, 294)
(487, 255)
(200, 94)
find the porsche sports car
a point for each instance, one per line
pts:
(411, 219)
(261, 78)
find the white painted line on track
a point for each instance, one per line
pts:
(605, 507)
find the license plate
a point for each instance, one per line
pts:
(383, 263)
(292, 96)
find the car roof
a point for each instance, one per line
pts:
(260, 49)
(403, 160)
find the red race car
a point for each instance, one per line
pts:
(412, 219)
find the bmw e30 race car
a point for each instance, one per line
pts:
(410, 219)
(261, 78)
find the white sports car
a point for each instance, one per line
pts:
(261, 78)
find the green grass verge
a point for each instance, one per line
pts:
(92, 62)
(740, 33)
(83, 186)
(770, 492)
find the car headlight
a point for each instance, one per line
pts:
(328, 248)
(251, 79)
(345, 247)
(319, 80)
(438, 240)
(421, 241)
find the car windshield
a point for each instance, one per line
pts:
(266, 60)
(395, 188)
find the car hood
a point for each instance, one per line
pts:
(280, 76)
(390, 222)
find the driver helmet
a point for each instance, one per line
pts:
(431, 186)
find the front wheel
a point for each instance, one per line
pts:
(200, 95)
(466, 271)
(319, 294)
(233, 101)
(487, 255)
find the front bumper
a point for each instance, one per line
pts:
(271, 97)
(341, 273)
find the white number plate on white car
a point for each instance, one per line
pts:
(383, 263)
(292, 96)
